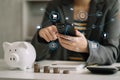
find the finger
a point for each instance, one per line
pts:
(53, 35)
(64, 41)
(69, 47)
(66, 46)
(46, 38)
(79, 34)
(43, 35)
(70, 38)
(49, 36)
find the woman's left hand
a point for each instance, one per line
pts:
(76, 44)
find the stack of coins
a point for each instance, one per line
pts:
(46, 69)
(36, 68)
(56, 70)
(66, 72)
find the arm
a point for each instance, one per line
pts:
(107, 53)
(104, 52)
(40, 44)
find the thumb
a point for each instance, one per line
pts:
(79, 34)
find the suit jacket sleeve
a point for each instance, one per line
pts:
(41, 46)
(107, 53)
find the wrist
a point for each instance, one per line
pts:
(85, 48)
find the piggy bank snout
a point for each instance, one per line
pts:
(14, 58)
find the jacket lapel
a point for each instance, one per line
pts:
(91, 15)
(96, 6)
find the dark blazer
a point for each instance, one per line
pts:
(103, 32)
(118, 60)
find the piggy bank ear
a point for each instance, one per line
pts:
(23, 45)
(6, 44)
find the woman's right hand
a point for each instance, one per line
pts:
(49, 33)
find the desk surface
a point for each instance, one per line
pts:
(6, 73)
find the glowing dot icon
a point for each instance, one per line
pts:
(105, 35)
(67, 18)
(38, 27)
(71, 9)
(93, 26)
(42, 9)
(72, 24)
(112, 19)
(99, 14)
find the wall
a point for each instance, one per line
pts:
(10, 21)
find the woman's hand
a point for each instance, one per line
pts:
(76, 44)
(49, 33)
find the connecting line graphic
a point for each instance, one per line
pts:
(93, 26)
(111, 20)
(50, 20)
(97, 14)
(54, 16)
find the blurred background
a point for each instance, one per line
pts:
(19, 19)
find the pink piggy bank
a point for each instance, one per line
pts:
(20, 55)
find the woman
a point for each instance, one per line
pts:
(96, 27)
